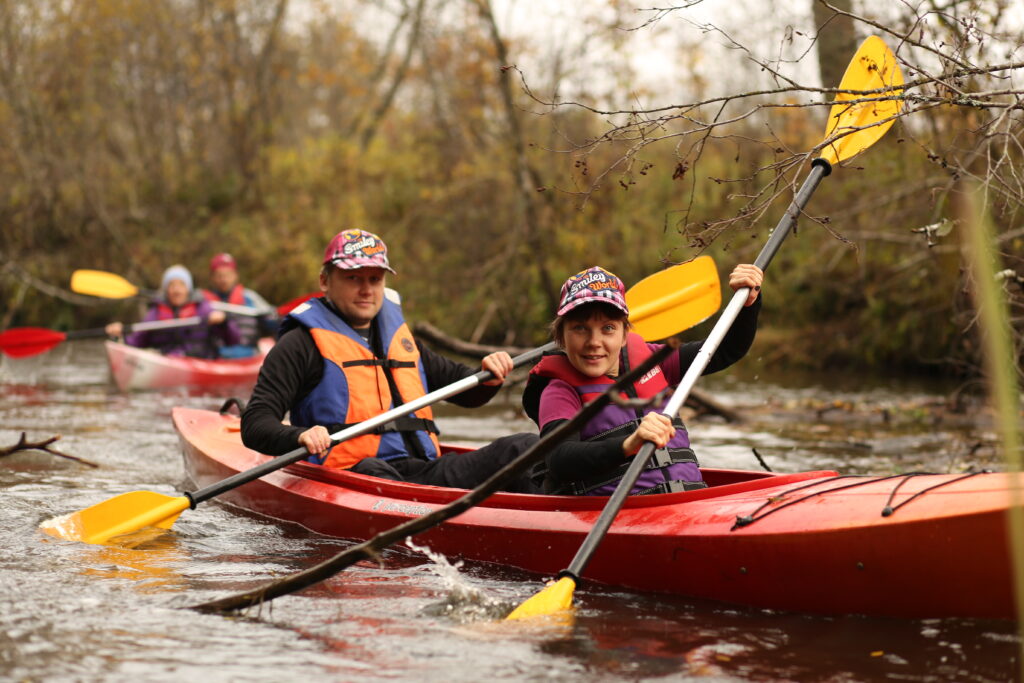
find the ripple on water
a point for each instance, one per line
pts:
(69, 611)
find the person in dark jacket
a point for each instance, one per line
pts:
(226, 288)
(201, 340)
(592, 330)
(348, 356)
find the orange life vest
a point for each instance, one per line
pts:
(355, 386)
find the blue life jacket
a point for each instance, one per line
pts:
(355, 385)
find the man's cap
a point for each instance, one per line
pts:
(223, 260)
(351, 249)
(593, 285)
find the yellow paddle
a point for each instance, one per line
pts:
(130, 512)
(873, 67)
(105, 285)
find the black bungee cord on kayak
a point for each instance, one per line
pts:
(887, 510)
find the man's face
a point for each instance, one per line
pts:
(358, 294)
(224, 278)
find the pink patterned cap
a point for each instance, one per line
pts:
(351, 249)
(593, 285)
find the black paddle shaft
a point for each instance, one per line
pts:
(364, 427)
(819, 169)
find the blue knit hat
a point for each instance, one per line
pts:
(176, 272)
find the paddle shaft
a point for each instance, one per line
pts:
(362, 428)
(819, 169)
(137, 327)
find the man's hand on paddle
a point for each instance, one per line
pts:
(498, 364)
(316, 440)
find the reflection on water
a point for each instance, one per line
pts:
(77, 612)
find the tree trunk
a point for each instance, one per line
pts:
(837, 39)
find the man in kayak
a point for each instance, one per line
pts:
(202, 340)
(226, 288)
(592, 330)
(348, 356)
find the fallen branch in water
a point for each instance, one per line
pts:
(370, 549)
(432, 334)
(44, 445)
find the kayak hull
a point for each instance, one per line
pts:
(136, 369)
(823, 547)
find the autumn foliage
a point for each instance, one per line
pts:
(138, 134)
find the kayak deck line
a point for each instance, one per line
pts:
(770, 505)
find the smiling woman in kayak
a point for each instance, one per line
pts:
(201, 340)
(592, 331)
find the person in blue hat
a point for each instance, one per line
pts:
(203, 339)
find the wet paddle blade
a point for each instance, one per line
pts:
(874, 67)
(675, 299)
(21, 342)
(119, 515)
(554, 598)
(102, 284)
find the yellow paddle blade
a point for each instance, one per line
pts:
(674, 299)
(556, 597)
(862, 124)
(121, 514)
(103, 284)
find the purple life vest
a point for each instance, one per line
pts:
(674, 468)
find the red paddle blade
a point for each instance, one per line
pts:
(286, 308)
(20, 342)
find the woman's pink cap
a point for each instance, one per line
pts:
(593, 285)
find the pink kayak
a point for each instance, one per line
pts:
(135, 368)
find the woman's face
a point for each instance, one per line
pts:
(593, 345)
(177, 293)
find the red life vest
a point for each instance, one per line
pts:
(236, 296)
(248, 325)
(165, 312)
(558, 367)
(195, 341)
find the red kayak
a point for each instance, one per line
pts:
(135, 368)
(918, 545)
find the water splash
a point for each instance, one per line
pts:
(463, 603)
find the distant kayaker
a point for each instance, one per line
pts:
(226, 288)
(592, 330)
(201, 340)
(349, 356)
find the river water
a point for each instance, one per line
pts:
(77, 612)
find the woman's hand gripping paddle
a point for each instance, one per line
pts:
(873, 68)
(130, 512)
